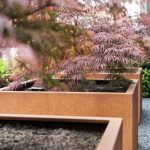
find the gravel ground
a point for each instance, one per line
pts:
(15, 135)
(144, 128)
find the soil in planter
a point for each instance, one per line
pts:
(89, 86)
(67, 85)
(15, 135)
(103, 86)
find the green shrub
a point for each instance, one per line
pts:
(146, 79)
(4, 73)
(146, 65)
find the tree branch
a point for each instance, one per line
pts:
(39, 8)
(70, 4)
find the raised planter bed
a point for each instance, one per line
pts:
(137, 75)
(105, 104)
(82, 133)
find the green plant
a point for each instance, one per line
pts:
(146, 82)
(146, 79)
(146, 65)
(4, 73)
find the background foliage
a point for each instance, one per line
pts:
(5, 73)
(146, 79)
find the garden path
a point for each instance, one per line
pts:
(144, 128)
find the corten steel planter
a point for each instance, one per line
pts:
(103, 104)
(111, 138)
(136, 75)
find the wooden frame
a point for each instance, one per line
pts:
(122, 105)
(111, 139)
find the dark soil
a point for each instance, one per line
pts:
(104, 86)
(15, 135)
(96, 86)
(66, 85)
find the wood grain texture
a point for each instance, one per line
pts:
(122, 105)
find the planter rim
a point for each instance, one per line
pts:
(110, 134)
(139, 70)
(130, 90)
(57, 118)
